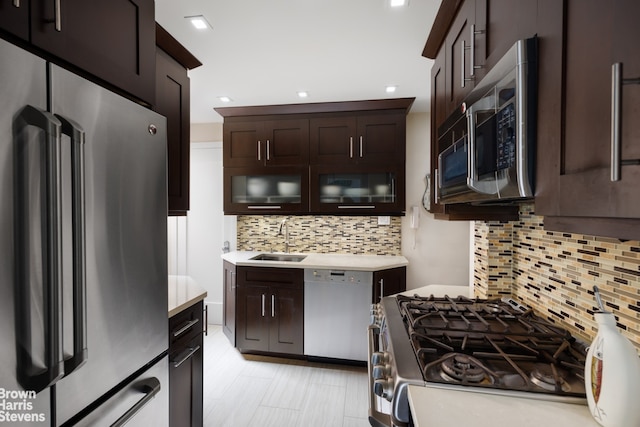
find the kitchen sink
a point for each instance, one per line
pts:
(278, 257)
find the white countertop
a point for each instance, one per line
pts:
(437, 407)
(440, 291)
(328, 261)
(183, 293)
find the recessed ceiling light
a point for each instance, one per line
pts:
(303, 94)
(224, 98)
(199, 21)
(398, 3)
(390, 89)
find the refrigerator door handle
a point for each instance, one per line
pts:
(39, 375)
(150, 387)
(77, 135)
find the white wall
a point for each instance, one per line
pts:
(438, 251)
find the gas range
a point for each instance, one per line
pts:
(491, 346)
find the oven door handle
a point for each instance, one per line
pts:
(376, 418)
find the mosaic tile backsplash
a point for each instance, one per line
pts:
(554, 273)
(321, 234)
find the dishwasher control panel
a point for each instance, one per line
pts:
(337, 276)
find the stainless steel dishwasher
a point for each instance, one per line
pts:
(337, 313)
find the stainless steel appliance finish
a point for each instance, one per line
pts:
(83, 232)
(494, 133)
(488, 346)
(336, 313)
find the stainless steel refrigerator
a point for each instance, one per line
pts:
(83, 251)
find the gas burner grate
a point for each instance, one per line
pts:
(494, 344)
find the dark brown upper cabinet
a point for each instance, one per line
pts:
(588, 164)
(14, 18)
(278, 142)
(172, 101)
(109, 41)
(337, 158)
(362, 139)
(113, 40)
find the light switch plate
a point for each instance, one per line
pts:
(384, 220)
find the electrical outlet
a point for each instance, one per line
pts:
(384, 220)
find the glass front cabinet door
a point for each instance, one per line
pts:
(357, 190)
(282, 190)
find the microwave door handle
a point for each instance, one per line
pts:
(79, 304)
(51, 368)
(471, 148)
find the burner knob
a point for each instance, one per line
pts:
(379, 358)
(380, 371)
(383, 388)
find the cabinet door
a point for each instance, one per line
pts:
(287, 320)
(577, 184)
(252, 317)
(286, 142)
(242, 144)
(499, 24)
(14, 17)
(381, 139)
(274, 190)
(389, 282)
(332, 140)
(460, 80)
(186, 385)
(172, 101)
(358, 189)
(112, 39)
(229, 307)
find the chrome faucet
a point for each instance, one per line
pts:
(287, 243)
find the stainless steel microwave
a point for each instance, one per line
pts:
(487, 147)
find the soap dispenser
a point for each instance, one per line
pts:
(612, 374)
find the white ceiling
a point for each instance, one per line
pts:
(262, 52)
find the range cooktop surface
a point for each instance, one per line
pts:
(492, 344)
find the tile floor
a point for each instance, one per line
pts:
(248, 390)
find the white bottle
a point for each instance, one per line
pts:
(612, 376)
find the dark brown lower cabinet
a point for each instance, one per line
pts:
(185, 367)
(388, 282)
(270, 310)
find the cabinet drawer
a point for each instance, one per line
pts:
(288, 277)
(185, 326)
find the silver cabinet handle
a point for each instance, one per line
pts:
(616, 77)
(360, 145)
(268, 151)
(58, 15)
(472, 54)
(356, 207)
(150, 387)
(463, 79)
(185, 328)
(263, 207)
(616, 99)
(191, 352)
(30, 373)
(351, 147)
(263, 298)
(259, 150)
(79, 308)
(381, 288)
(16, 3)
(273, 305)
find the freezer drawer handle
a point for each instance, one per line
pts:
(192, 351)
(79, 354)
(34, 376)
(185, 328)
(150, 387)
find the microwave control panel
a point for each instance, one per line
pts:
(506, 137)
